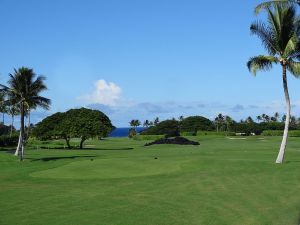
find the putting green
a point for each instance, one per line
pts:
(111, 168)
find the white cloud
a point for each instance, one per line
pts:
(105, 93)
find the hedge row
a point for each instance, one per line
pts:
(292, 133)
(7, 141)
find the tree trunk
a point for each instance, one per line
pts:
(19, 146)
(3, 118)
(68, 142)
(81, 142)
(22, 129)
(281, 153)
(12, 124)
(28, 127)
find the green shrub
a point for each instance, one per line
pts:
(195, 123)
(187, 133)
(214, 133)
(272, 133)
(162, 128)
(7, 141)
(294, 133)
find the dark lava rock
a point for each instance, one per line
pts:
(176, 141)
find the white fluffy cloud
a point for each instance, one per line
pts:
(105, 93)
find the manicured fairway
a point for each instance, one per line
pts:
(120, 182)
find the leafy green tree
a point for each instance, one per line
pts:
(86, 123)
(52, 127)
(280, 40)
(163, 128)
(76, 123)
(195, 123)
(24, 87)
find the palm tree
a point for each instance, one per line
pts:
(249, 120)
(280, 40)
(268, 4)
(25, 87)
(156, 121)
(258, 118)
(276, 116)
(146, 123)
(219, 121)
(229, 121)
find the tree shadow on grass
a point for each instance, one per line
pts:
(87, 148)
(47, 159)
(110, 149)
(291, 161)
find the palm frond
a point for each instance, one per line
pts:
(269, 4)
(266, 35)
(292, 48)
(38, 101)
(261, 62)
(294, 68)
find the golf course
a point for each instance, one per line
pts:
(117, 181)
(146, 112)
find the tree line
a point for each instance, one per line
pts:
(221, 123)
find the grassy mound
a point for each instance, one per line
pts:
(111, 168)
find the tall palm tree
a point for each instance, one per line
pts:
(280, 40)
(268, 4)
(24, 87)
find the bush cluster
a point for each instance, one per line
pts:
(8, 141)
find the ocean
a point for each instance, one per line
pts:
(123, 131)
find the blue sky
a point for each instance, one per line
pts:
(138, 59)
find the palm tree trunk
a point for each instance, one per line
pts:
(28, 127)
(19, 146)
(21, 138)
(12, 124)
(280, 156)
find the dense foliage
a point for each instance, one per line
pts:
(4, 130)
(163, 128)
(9, 140)
(196, 123)
(76, 123)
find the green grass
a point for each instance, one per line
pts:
(119, 182)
